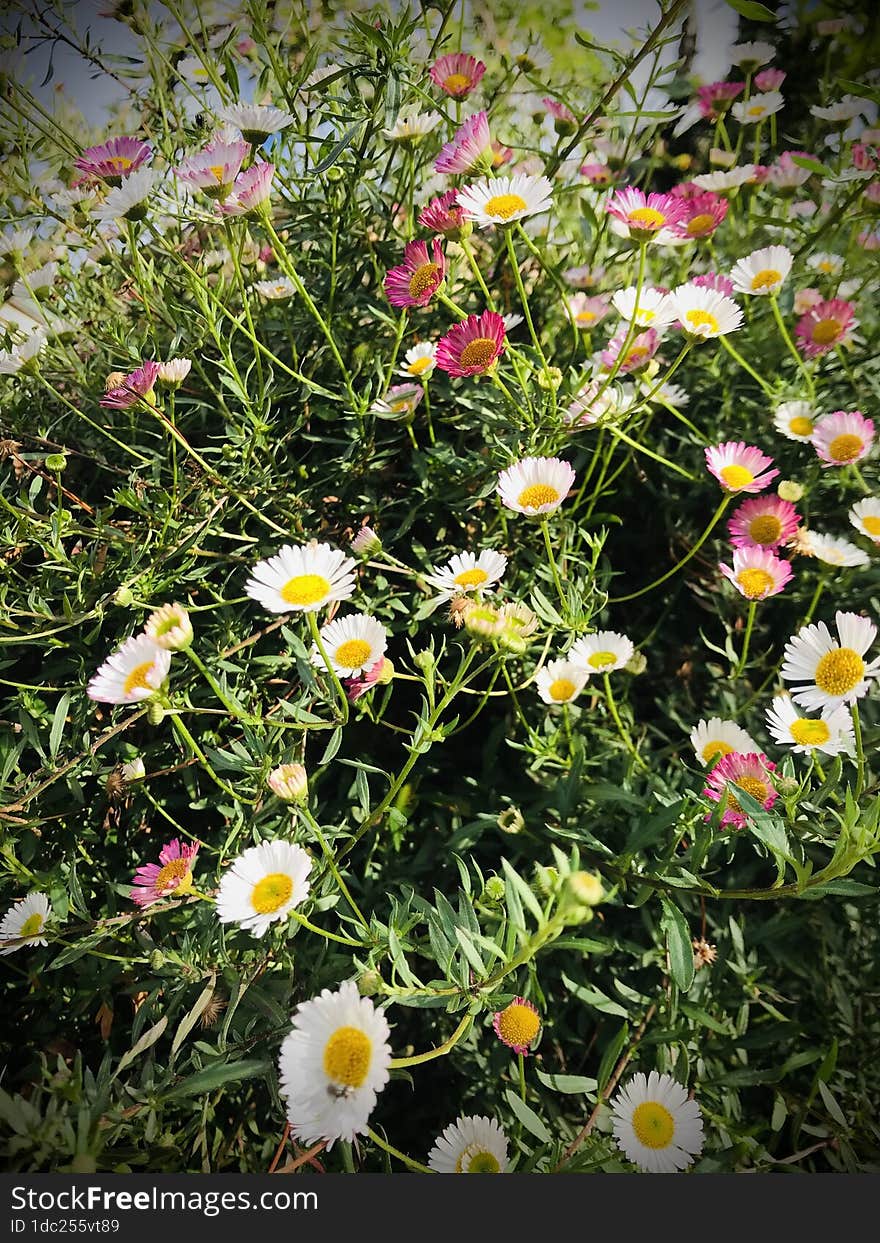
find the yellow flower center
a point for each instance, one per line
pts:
(270, 893)
(810, 733)
(420, 365)
(118, 164)
(646, 218)
(537, 494)
(715, 747)
(766, 279)
(653, 1124)
(871, 524)
(825, 266)
(756, 110)
(754, 583)
(479, 352)
(601, 660)
(758, 789)
(218, 171)
(353, 653)
(700, 223)
(585, 317)
(174, 876)
(503, 206)
(826, 331)
(840, 671)
(471, 578)
(736, 476)
(476, 1160)
(137, 679)
(637, 354)
(845, 447)
(561, 690)
(305, 589)
(765, 529)
(518, 1024)
(347, 1056)
(456, 82)
(32, 925)
(801, 425)
(699, 318)
(423, 279)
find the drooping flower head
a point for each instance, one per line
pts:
(135, 671)
(842, 438)
(114, 159)
(751, 773)
(470, 1145)
(302, 578)
(400, 402)
(135, 387)
(415, 281)
(656, 1125)
(517, 1025)
(757, 573)
(458, 74)
(379, 674)
(831, 549)
(172, 874)
(411, 126)
(444, 215)
(830, 671)
(535, 485)
(473, 346)
(564, 120)
(770, 79)
(24, 923)
(739, 467)
(763, 271)
(644, 215)
(715, 738)
(130, 199)
(750, 55)
(263, 885)
(504, 200)
(830, 733)
(825, 325)
(250, 191)
(763, 522)
(469, 149)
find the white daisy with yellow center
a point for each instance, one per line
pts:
(656, 1125)
(134, 672)
(830, 733)
(467, 572)
(831, 672)
(504, 200)
(703, 313)
(535, 485)
(419, 360)
(865, 517)
(277, 290)
(834, 551)
(560, 681)
(723, 181)
(758, 108)
(302, 578)
(602, 652)
(333, 1064)
(651, 310)
(762, 272)
(715, 738)
(353, 644)
(470, 1145)
(825, 264)
(24, 923)
(263, 885)
(796, 420)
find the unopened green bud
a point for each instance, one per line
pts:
(123, 597)
(56, 462)
(370, 983)
(494, 889)
(547, 879)
(425, 661)
(585, 888)
(157, 960)
(155, 712)
(637, 663)
(789, 490)
(548, 378)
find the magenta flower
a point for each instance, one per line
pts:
(715, 280)
(172, 874)
(752, 774)
(457, 74)
(367, 679)
(842, 438)
(418, 278)
(472, 347)
(214, 169)
(739, 467)
(715, 98)
(863, 157)
(825, 325)
(705, 211)
(443, 215)
(639, 352)
(136, 385)
(564, 120)
(598, 174)
(470, 148)
(770, 79)
(517, 1025)
(757, 573)
(646, 214)
(250, 191)
(763, 522)
(114, 159)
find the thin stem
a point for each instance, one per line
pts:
(860, 751)
(181, 729)
(545, 531)
(750, 621)
(401, 1156)
(322, 932)
(398, 1063)
(792, 348)
(229, 704)
(319, 644)
(95, 426)
(725, 500)
(521, 289)
(331, 862)
(745, 366)
(621, 728)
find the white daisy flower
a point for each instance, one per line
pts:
(174, 371)
(15, 242)
(302, 578)
(24, 923)
(655, 1124)
(728, 179)
(846, 109)
(560, 681)
(535, 485)
(830, 733)
(796, 420)
(275, 290)
(703, 313)
(827, 265)
(758, 108)
(715, 738)
(353, 644)
(128, 201)
(470, 1145)
(763, 271)
(169, 627)
(511, 321)
(832, 549)
(419, 360)
(750, 54)
(651, 311)
(671, 394)
(832, 672)
(191, 69)
(135, 671)
(332, 1065)
(602, 652)
(467, 572)
(37, 284)
(865, 517)
(20, 356)
(256, 121)
(502, 200)
(263, 884)
(412, 125)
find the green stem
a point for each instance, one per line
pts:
(750, 621)
(860, 751)
(545, 531)
(725, 501)
(322, 932)
(401, 1156)
(399, 1063)
(621, 728)
(95, 426)
(792, 348)
(319, 643)
(521, 289)
(181, 729)
(229, 704)
(331, 863)
(734, 353)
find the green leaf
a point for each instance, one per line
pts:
(58, 721)
(148, 1039)
(528, 1117)
(814, 166)
(571, 1085)
(612, 1052)
(678, 944)
(753, 11)
(189, 1021)
(216, 1076)
(595, 998)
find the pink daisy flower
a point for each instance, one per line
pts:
(739, 467)
(136, 385)
(517, 1025)
(418, 278)
(757, 573)
(639, 352)
(805, 299)
(400, 399)
(715, 98)
(714, 280)
(444, 215)
(825, 325)
(457, 74)
(763, 522)
(842, 438)
(752, 774)
(587, 312)
(863, 157)
(770, 79)
(172, 874)
(646, 214)
(564, 120)
(470, 148)
(472, 347)
(598, 174)
(366, 680)
(214, 169)
(114, 159)
(501, 155)
(250, 191)
(705, 211)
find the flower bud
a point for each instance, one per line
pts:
(157, 960)
(549, 378)
(789, 490)
(174, 372)
(547, 879)
(584, 888)
(290, 783)
(637, 663)
(425, 661)
(123, 597)
(366, 543)
(56, 462)
(170, 628)
(370, 983)
(511, 820)
(494, 889)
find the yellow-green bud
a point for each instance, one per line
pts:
(155, 713)
(157, 960)
(585, 888)
(547, 879)
(511, 820)
(56, 462)
(494, 889)
(123, 597)
(370, 983)
(637, 663)
(551, 378)
(789, 490)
